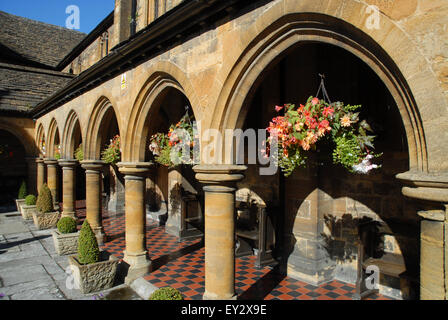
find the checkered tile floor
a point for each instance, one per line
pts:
(181, 266)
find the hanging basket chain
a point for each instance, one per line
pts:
(324, 90)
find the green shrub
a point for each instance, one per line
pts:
(22, 191)
(67, 225)
(30, 200)
(166, 293)
(79, 153)
(45, 200)
(88, 251)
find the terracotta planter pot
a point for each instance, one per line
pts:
(96, 276)
(65, 244)
(19, 203)
(44, 221)
(27, 212)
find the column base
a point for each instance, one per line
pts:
(214, 296)
(139, 265)
(70, 214)
(100, 235)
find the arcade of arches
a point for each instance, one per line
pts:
(278, 49)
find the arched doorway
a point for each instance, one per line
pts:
(13, 168)
(175, 197)
(317, 210)
(113, 182)
(73, 150)
(283, 62)
(54, 152)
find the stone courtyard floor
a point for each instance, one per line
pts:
(30, 268)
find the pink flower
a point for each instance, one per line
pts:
(278, 108)
(315, 101)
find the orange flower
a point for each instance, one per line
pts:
(305, 145)
(345, 121)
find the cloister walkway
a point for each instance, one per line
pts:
(180, 264)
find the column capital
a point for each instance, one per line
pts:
(39, 160)
(93, 165)
(219, 176)
(425, 186)
(138, 169)
(69, 163)
(50, 161)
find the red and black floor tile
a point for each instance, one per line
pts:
(180, 264)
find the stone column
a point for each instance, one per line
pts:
(433, 189)
(219, 186)
(32, 175)
(94, 169)
(52, 179)
(40, 173)
(174, 220)
(135, 208)
(433, 251)
(68, 187)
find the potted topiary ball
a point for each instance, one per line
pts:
(65, 237)
(166, 293)
(20, 201)
(45, 217)
(29, 207)
(93, 270)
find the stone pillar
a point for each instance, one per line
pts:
(52, 179)
(219, 186)
(305, 249)
(68, 187)
(116, 199)
(40, 173)
(174, 220)
(94, 169)
(32, 175)
(433, 254)
(135, 208)
(433, 189)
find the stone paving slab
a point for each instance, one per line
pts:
(30, 268)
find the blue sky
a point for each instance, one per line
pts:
(92, 12)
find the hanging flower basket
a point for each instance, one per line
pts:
(302, 128)
(112, 154)
(167, 148)
(57, 152)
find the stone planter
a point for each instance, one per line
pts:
(94, 277)
(19, 203)
(27, 212)
(65, 244)
(44, 221)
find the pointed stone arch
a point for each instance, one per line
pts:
(281, 27)
(102, 112)
(40, 140)
(30, 147)
(164, 76)
(72, 128)
(54, 138)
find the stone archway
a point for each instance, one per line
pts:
(54, 140)
(16, 164)
(40, 140)
(103, 125)
(72, 136)
(97, 135)
(283, 34)
(161, 103)
(280, 28)
(73, 176)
